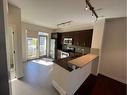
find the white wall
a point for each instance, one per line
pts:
(112, 63)
(33, 28)
(14, 21)
(98, 31)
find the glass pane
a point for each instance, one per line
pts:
(42, 45)
(52, 48)
(32, 47)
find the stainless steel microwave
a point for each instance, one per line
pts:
(67, 41)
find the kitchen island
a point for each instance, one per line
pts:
(68, 79)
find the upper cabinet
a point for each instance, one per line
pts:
(79, 38)
(83, 38)
(66, 35)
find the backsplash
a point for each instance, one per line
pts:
(79, 49)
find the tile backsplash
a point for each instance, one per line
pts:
(79, 49)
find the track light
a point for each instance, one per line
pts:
(64, 24)
(91, 8)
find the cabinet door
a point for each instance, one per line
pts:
(76, 38)
(88, 38)
(85, 38)
(62, 38)
(59, 41)
(79, 38)
(66, 35)
(71, 35)
(82, 38)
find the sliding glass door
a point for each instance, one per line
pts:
(32, 48)
(36, 44)
(42, 46)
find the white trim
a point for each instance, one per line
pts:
(58, 88)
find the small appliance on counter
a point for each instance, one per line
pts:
(64, 55)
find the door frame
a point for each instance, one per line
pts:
(12, 54)
(4, 57)
(39, 45)
(36, 50)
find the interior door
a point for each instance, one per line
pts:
(42, 46)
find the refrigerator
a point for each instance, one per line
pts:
(53, 48)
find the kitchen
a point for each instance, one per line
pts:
(92, 43)
(73, 58)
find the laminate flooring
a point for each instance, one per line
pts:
(37, 79)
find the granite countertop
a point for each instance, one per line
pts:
(64, 62)
(78, 61)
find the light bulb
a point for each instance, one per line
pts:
(92, 15)
(87, 8)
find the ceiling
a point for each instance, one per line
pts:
(49, 13)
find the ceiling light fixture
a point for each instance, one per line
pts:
(91, 8)
(64, 24)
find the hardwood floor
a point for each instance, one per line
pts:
(37, 79)
(107, 86)
(101, 85)
(87, 87)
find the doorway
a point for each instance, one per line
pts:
(36, 45)
(42, 46)
(32, 48)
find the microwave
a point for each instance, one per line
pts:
(67, 41)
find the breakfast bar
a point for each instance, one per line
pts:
(67, 82)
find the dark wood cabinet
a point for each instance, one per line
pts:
(76, 39)
(79, 38)
(85, 38)
(59, 43)
(66, 35)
